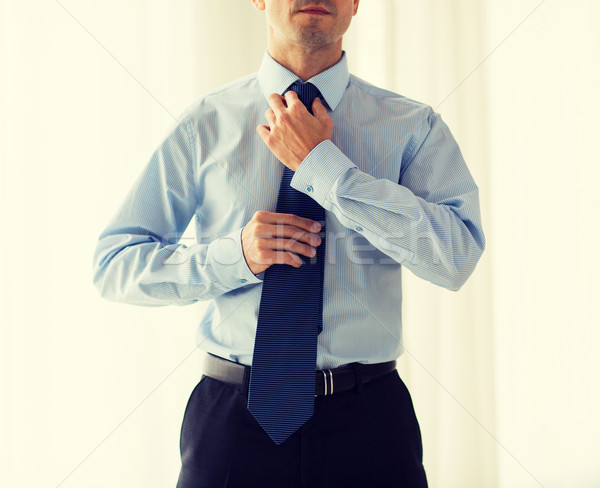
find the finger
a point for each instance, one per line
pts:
(291, 98)
(265, 232)
(269, 257)
(269, 231)
(264, 131)
(277, 103)
(291, 232)
(266, 217)
(282, 257)
(319, 110)
(270, 116)
(296, 221)
(290, 245)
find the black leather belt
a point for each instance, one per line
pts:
(327, 381)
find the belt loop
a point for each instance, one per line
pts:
(246, 380)
(358, 377)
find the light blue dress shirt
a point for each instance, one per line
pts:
(393, 182)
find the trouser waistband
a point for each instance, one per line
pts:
(327, 381)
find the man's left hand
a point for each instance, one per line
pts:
(292, 131)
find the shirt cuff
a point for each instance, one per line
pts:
(226, 259)
(319, 171)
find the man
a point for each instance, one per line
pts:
(303, 225)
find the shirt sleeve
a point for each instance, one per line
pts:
(139, 258)
(429, 221)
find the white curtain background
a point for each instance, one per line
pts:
(504, 374)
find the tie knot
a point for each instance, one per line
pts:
(307, 92)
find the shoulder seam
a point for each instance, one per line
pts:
(385, 94)
(230, 85)
(414, 151)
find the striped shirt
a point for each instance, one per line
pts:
(396, 191)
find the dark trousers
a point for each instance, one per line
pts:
(367, 437)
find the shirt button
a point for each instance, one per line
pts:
(243, 281)
(309, 189)
(358, 228)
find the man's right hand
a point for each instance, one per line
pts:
(277, 238)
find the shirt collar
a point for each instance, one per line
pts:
(332, 82)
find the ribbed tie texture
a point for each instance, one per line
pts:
(282, 379)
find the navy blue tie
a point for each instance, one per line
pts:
(282, 379)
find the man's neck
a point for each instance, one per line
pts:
(306, 62)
